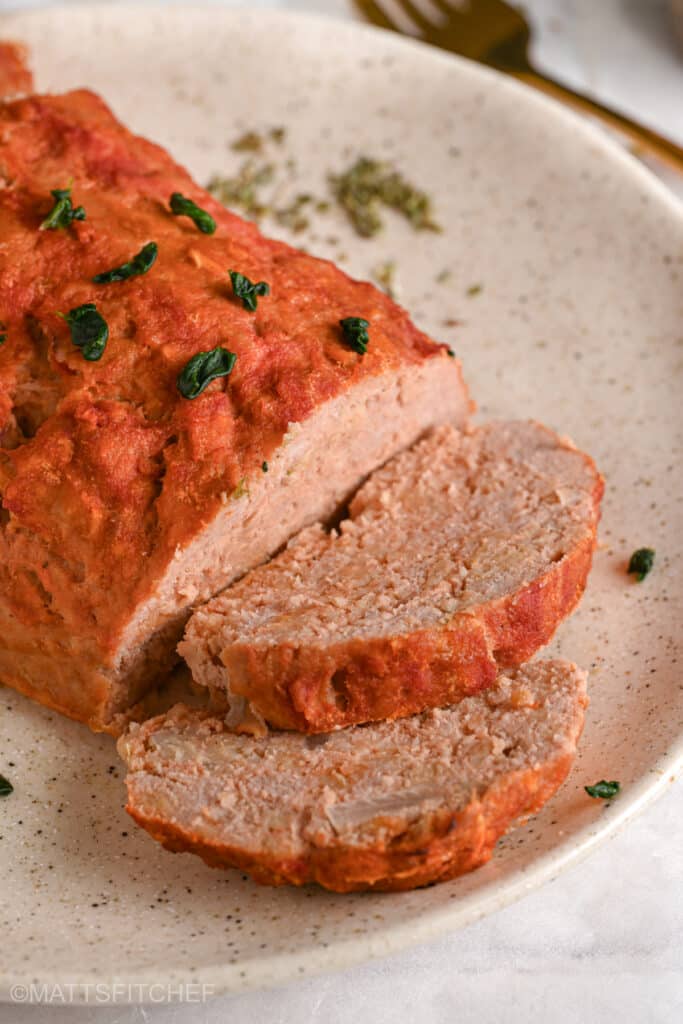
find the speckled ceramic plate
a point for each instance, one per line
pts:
(558, 277)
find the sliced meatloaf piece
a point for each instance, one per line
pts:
(15, 77)
(124, 499)
(459, 556)
(392, 805)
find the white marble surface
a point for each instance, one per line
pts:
(604, 941)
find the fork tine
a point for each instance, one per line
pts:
(374, 13)
(449, 8)
(420, 19)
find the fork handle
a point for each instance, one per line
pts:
(645, 139)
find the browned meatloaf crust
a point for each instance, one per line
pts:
(124, 503)
(393, 805)
(459, 557)
(15, 77)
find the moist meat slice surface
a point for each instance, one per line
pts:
(459, 556)
(391, 805)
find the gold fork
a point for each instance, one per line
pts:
(494, 33)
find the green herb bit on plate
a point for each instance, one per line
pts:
(603, 790)
(250, 142)
(641, 563)
(203, 368)
(62, 213)
(6, 786)
(183, 207)
(140, 264)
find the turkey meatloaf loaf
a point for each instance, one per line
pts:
(165, 425)
(392, 805)
(460, 556)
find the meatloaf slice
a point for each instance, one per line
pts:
(124, 501)
(392, 805)
(459, 556)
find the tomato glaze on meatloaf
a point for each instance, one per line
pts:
(15, 77)
(125, 503)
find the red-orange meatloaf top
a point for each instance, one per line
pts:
(15, 76)
(104, 467)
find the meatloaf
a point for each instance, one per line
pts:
(137, 480)
(459, 557)
(387, 806)
(15, 77)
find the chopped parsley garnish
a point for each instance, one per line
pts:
(89, 330)
(183, 207)
(140, 264)
(474, 289)
(641, 563)
(3, 334)
(203, 368)
(450, 352)
(6, 786)
(62, 213)
(264, 467)
(603, 790)
(356, 333)
(368, 185)
(248, 292)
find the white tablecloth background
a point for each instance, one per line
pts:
(604, 942)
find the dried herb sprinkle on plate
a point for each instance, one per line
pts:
(6, 786)
(244, 189)
(385, 276)
(368, 185)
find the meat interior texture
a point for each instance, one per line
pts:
(124, 503)
(389, 805)
(459, 555)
